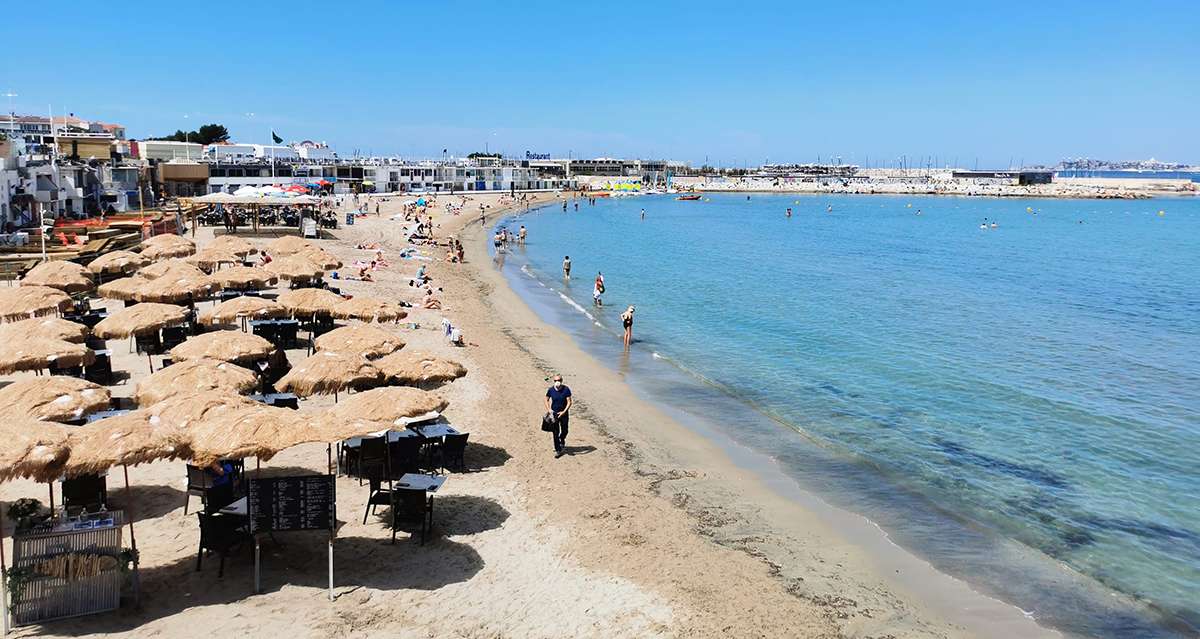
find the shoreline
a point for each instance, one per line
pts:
(726, 499)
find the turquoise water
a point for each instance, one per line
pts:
(966, 389)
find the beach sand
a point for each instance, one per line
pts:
(644, 529)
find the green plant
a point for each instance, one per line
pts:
(27, 513)
(18, 579)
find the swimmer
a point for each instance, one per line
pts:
(566, 267)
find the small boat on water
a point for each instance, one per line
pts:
(688, 197)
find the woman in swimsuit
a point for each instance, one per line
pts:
(627, 322)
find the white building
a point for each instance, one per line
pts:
(163, 150)
(276, 152)
(316, 152)
(229, 152)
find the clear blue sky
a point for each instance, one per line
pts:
(737, 82)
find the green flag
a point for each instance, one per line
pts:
(276, 138)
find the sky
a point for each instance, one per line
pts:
(734, 83)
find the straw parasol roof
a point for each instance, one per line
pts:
(57, 398)
(31, 301)
(386, 405)
(34, 353)
(192, 376)
(167, 245)
(125, 288)
(139, 319)
(239, 307)
(320, 257)
(258, 430)
(32, 449)
(212, 256)
(369, 310)
(294, 267)
(174, 287)
(309, 301)
(173, 266)
(59, 274)
(288, 244)
(417, 367)
(364, 340)
(244, 276)
(52, 327)
(234, 244)
(117, 262)
(227, 346)
(147, 434)
(328, 372)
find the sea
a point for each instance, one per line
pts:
(1010, 388)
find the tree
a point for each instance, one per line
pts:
(208, 134)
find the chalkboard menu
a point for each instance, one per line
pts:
(292, 503)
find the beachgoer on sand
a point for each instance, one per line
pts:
(558, 407)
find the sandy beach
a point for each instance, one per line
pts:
(643, 529)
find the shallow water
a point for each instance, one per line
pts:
(965, 388)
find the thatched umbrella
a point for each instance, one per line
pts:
(174, 287)
(117, 262)
(227, 346)
(31, 301)
(173, 266)
(148, 434)
(51, 327)
(242, 307)
(140, 319)
(310, 301)
(328, 372)
(58, 398)
(35, 353)
(32, 448)
(59, 274)
(211, 257)
(417, 367)
(124, 288)
(288, 244)
(321, 258)
(369, 310)
(234, 244)
(259, 431)
(239, 277)
(294, 267)
(364, 340)
(194, 376)
(167, 245)
(387, 405)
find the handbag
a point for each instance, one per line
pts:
(548, 422)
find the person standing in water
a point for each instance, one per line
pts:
(789, 211)
(643, 214)
(566, 267)
(521, 235)
(627, 324)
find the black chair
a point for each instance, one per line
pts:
(220, 534)
(149, 343)
(405, 454)
(412, 506)
(452, 452)
(286, 332)
(173, 336)
(72, 371)
(100, 371)
(374, 466)
(198, 483)
(267, 331)
(284, 400)
(84, 493)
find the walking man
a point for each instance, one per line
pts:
(558, 404)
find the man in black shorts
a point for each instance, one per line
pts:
(558, 404)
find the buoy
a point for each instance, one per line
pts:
(910, 205)
(1029, 209)
(1161, 213)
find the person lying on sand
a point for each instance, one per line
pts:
(369, 246)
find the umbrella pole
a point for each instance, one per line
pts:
(50, 485)
(137, 581)
(4, 576)
(150, 361)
